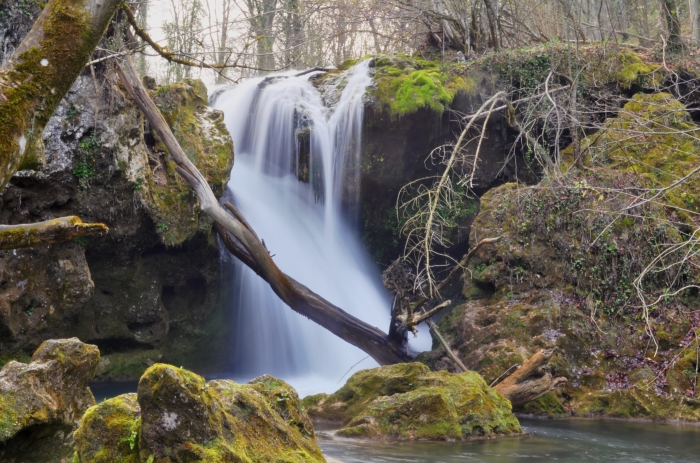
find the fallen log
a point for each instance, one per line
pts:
(530, 381)
(48, 232)
(244, 243)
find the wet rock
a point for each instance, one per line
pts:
(408, 401)
(178, 417)
(42, 402)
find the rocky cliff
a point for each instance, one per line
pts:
(149, 289)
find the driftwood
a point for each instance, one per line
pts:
(48, 232)
(530, 381)
(245, 245)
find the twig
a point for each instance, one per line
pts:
(434, 329)
(341, 378)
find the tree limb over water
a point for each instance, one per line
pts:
(244, 243)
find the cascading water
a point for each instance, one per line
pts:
(302, 224)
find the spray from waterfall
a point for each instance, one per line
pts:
(283, 131)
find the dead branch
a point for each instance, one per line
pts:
(450, 353)
(455, 271)
(530, 381)
(417, 319)
(298, 297)
(48, 232)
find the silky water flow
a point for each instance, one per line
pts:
(282, 130)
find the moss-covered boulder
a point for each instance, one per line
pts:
(178, 417)
(203, 136)
(563, 275)
(408, 401)
(109, 432)
(41, 402)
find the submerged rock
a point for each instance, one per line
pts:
(178, 417)
(42, 402)
(408, 401)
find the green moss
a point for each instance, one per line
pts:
(634, 71)
(201, 133)
(41, 77)
(109, 432)
(549, 404)
(404, 85)
(409, 402)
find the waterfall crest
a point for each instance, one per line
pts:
(282, 131)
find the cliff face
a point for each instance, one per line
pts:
(149, 289)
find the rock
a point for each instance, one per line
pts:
(408, 401)
(42, 402)
(148, 291)
(109, 432)
(181, 418)
(562, 277)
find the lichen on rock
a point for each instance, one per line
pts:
(408, 401)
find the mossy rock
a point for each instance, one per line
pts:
(408, 401)
(178, 417)
(42, 401)
(548, 405)
(406, 84)
(109, 432)
(203, 136)
(186, 419)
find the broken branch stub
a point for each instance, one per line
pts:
(48, 232)
(530, 381)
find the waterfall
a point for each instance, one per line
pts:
(282, 130)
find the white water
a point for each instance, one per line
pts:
(307, 232)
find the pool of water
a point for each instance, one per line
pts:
(566, 441)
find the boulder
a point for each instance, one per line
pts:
(178, 417)
(561, 279)
(41, 402)
(408, 401)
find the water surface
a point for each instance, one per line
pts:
(565, 441)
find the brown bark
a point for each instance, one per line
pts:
(530, 381)
(244, 244)
(48, 232)
(39, 73)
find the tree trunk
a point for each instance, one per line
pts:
(669, 10)
(695, 20)
(244, 243)
(492, 14)
(48, 232)
(42, 69)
